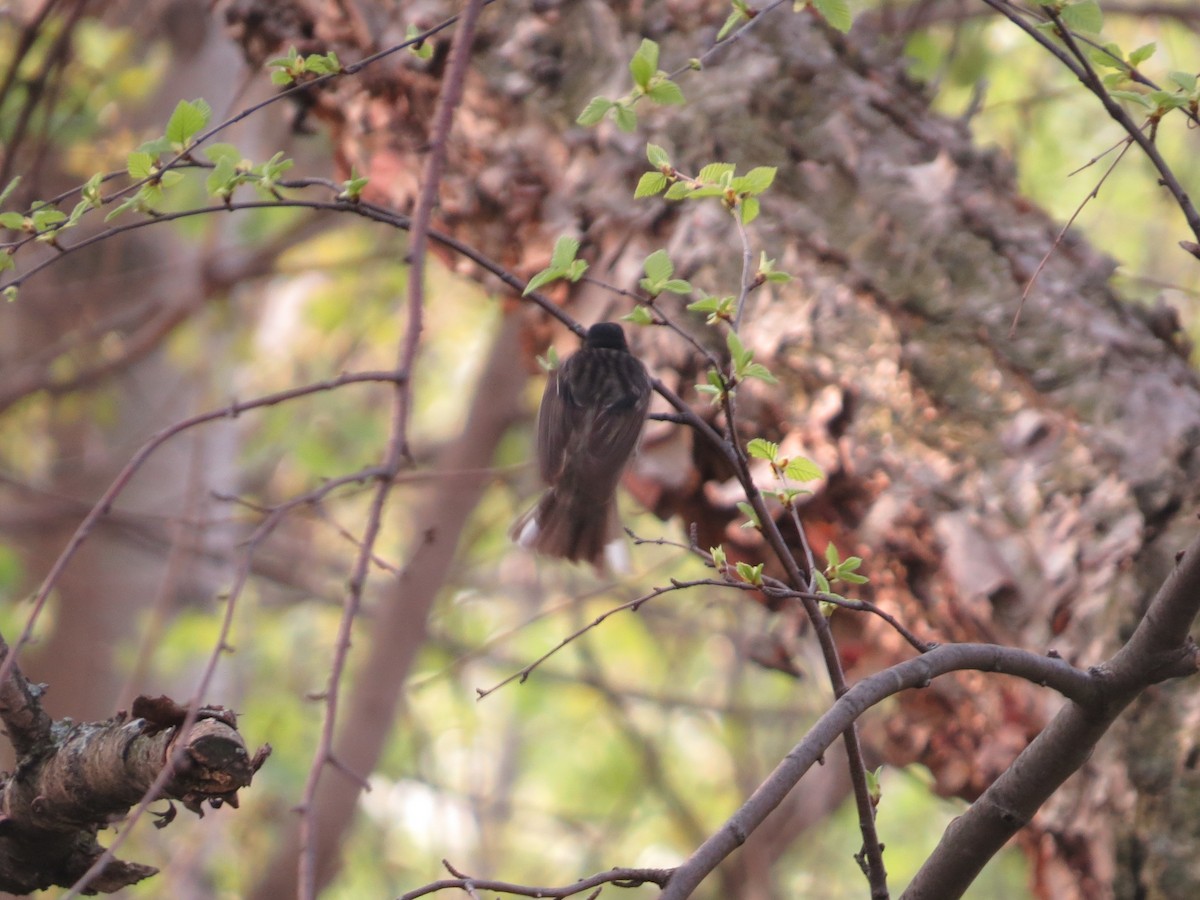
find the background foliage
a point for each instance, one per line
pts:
(630, 744)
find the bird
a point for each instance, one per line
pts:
(588, 426)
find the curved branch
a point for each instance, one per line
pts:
(626, 878)
(1159, 649)
(1077, 61)
(914, 673)
(103, 506)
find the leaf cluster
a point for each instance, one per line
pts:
(738, 193)
(294, 68)
(563, 264)
(649, 82)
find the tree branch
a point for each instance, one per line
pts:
(71, 781)
(913, 673)
(1160, 648)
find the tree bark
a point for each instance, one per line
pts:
(1028, 488)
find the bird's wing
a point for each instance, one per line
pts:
(590, 419)
(558, 417)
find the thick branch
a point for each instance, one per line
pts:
(62, 794)
(24, 720)
(1160, 648)
(913, 673)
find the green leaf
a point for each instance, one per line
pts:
(801, 468)
(222, 179)
(718, 557)
(732, 21)
(1132, 97)
(47, 216)
(820, 581)
(759, 448)
(10, 292)
(625, 118)
(750, 574)
(678, 191)
(666, 93)
(788, 495)
(292, 59)
(1185, 80)
(1167, 99)
(550, 362)
(656, 154)
(187, 119)
(749, 210)
(759, 371)
(1083, 16)
(852, 578)
(658, 266)
(718, 308)
(767, 271)
(220, 150)
(420, 49)
(14, 221)
(1108, 56)
(737, 350)
(9, 188)
(140, 165)
(565, 249)
(138, 201)
(1142, 53)
(749, 513)
(77, 213)
(649, 185)
(156, 147)
(639, 316)
(594, 111)
(705, 305)
(543, 277)
(322, 63)
(832, 557)
(713, 173)
(836, 13)
(756, 180)
(644, 64)
(281, 77)
(677, 286)
(576, 269)
(715, 388)
(352, 188)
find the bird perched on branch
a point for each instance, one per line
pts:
(588, 426)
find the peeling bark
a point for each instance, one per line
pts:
(73, 780)
(1028, 488)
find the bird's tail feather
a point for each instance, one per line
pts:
(587, 532)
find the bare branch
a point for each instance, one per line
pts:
(914, 673)
(625, 878)
(1160, 648)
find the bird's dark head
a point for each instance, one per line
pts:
(606, 335)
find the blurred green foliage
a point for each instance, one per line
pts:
(1039, 114)
(650, 729)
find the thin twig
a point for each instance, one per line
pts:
(1077, 62)
(103, 506)
(1092, 195)
(625, 878)
(522, 675)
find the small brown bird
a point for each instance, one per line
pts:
(588, 426)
